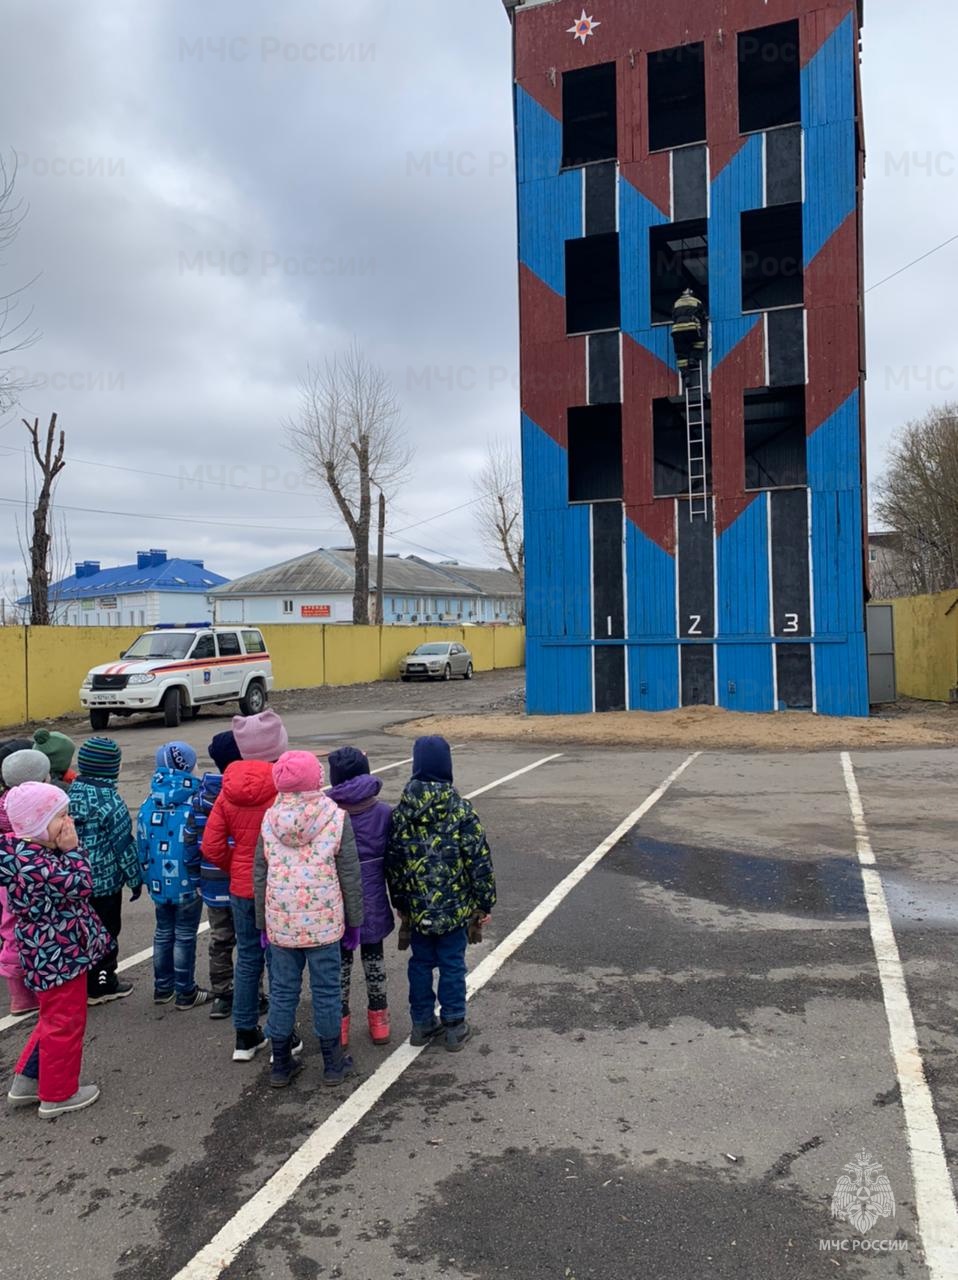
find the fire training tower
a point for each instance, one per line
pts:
(689, 548)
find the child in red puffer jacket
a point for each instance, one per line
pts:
(229, 842)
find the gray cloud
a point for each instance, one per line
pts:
(220, 192)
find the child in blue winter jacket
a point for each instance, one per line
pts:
(171, 872)
(214, 882)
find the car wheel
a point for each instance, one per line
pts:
(467, 674)
(447, 672)
(99, 720)
(405, 679)
(255, 700)
(172, 709)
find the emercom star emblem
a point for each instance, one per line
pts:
(583, 27)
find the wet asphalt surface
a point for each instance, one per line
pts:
(666, 1079)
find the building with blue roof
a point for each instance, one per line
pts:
(155, 589)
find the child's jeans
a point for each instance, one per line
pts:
(447, 953)
(286, 965)
(174, 946)
(250, 962)
(53, 1054)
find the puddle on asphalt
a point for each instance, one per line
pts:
(829, 888)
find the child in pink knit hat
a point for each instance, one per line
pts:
(309, 895)
(48, 884)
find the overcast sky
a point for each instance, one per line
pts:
(219, 192)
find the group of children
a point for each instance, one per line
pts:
(294, 876)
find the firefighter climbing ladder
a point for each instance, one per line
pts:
(695, 423)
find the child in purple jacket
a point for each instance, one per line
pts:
(357, 791)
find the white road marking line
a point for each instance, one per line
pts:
(137, 958)
(934, 1193)
(224, 1248)
(397, 764)
(509, 776)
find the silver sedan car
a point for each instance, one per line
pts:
(437, 661)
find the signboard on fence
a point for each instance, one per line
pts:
(316, 610)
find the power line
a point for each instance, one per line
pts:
(908, 266)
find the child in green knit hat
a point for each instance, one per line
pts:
(58, 749)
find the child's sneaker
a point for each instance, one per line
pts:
(457, 1033)
(23, 1092)
(200, 996)
(85, 1096)
(337, 1064)
(222, 1007)
(425, 1032)
(248, 1044)
(162, 997)
(108, 991)
(379, 1029)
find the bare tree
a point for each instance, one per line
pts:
(349, 436)
(499, 509)
(917, 499)
(48, 455)
(15, 334)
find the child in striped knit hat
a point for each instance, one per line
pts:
(105, 830)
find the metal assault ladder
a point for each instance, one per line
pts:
(695, 423)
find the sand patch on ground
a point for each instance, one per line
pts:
(702, 728)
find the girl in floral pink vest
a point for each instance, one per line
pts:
(313, 901)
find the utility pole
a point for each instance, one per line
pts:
(380, 557)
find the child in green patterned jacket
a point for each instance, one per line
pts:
(105, 831)
(441, 881)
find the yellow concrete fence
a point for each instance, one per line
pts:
(43, 666)
(926, 645)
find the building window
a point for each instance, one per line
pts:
(872, 555)
(775, 456)
(676, 97)
(592, 283)
(142, 617)
(679, 260)
(670, 449)
(589, 115)
(595, 453)
(769, 77)
(287, 606)
(772, 258)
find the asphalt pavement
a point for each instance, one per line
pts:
(668, 1076)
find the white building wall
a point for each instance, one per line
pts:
(144, 610)
(293, 608)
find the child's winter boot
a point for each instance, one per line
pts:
(337, 1063)
(379, 1030)
(22, 1000)
(285, 1066)
(425, 1032)
(457, 1033)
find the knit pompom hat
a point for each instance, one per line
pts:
(57, 747)
(261, 737)
(223, 750)
(99, 758)
(32, 806)
(25, 766)
(298, 771)
(432, 760)
(176, 755)
(346, 763)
